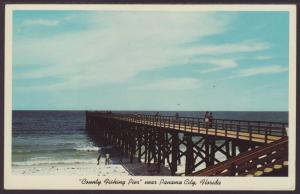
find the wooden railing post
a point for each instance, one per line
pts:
(198, 125)
(223, 124)
(206, 128)
(250, 133)
(283, 130)
(191, 123)
(174, 123)
(214, 126)
(266, 135)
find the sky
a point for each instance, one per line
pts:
(150, 60)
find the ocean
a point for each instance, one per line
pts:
(59, 137)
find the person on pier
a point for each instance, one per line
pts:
(156, 116)
(176, 117)
(206, 119)
(210, 118)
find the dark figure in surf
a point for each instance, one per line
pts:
(100, 154)
(121, 156)
(107, 160)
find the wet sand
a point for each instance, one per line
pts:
(91, 169)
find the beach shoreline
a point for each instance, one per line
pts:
(90, 169)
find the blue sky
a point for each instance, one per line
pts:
(150, 60)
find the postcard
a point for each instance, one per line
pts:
(150, 97)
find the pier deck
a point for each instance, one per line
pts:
(249, 136)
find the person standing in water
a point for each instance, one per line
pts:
(99, 156)
(121, 156)
(107, 159)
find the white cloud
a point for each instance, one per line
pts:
(271, 69)
(220, 65)
(172, 84)
(240, 47)
(121, 45)
(263, 57)
(42, 22)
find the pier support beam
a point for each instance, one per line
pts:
(160, 139)
(150, 147)
(132, 139)
(175, 149)
(233, 148)
(243, 147)
(209, 151)
(139, 139)
(146, 141)
(189, 154)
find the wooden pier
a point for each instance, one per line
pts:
(167, 140)
(266, 160)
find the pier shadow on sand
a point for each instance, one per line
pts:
(141, 169)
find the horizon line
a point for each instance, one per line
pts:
(151, 110)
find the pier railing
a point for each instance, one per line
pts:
(262, 131)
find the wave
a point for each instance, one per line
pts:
(55, 162)
(44, 151)
(91, 148)
(57, 150)
(40, 157)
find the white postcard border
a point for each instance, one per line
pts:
(73, 182)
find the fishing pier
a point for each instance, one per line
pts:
(250, 148)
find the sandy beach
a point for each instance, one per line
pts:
(91, 169)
